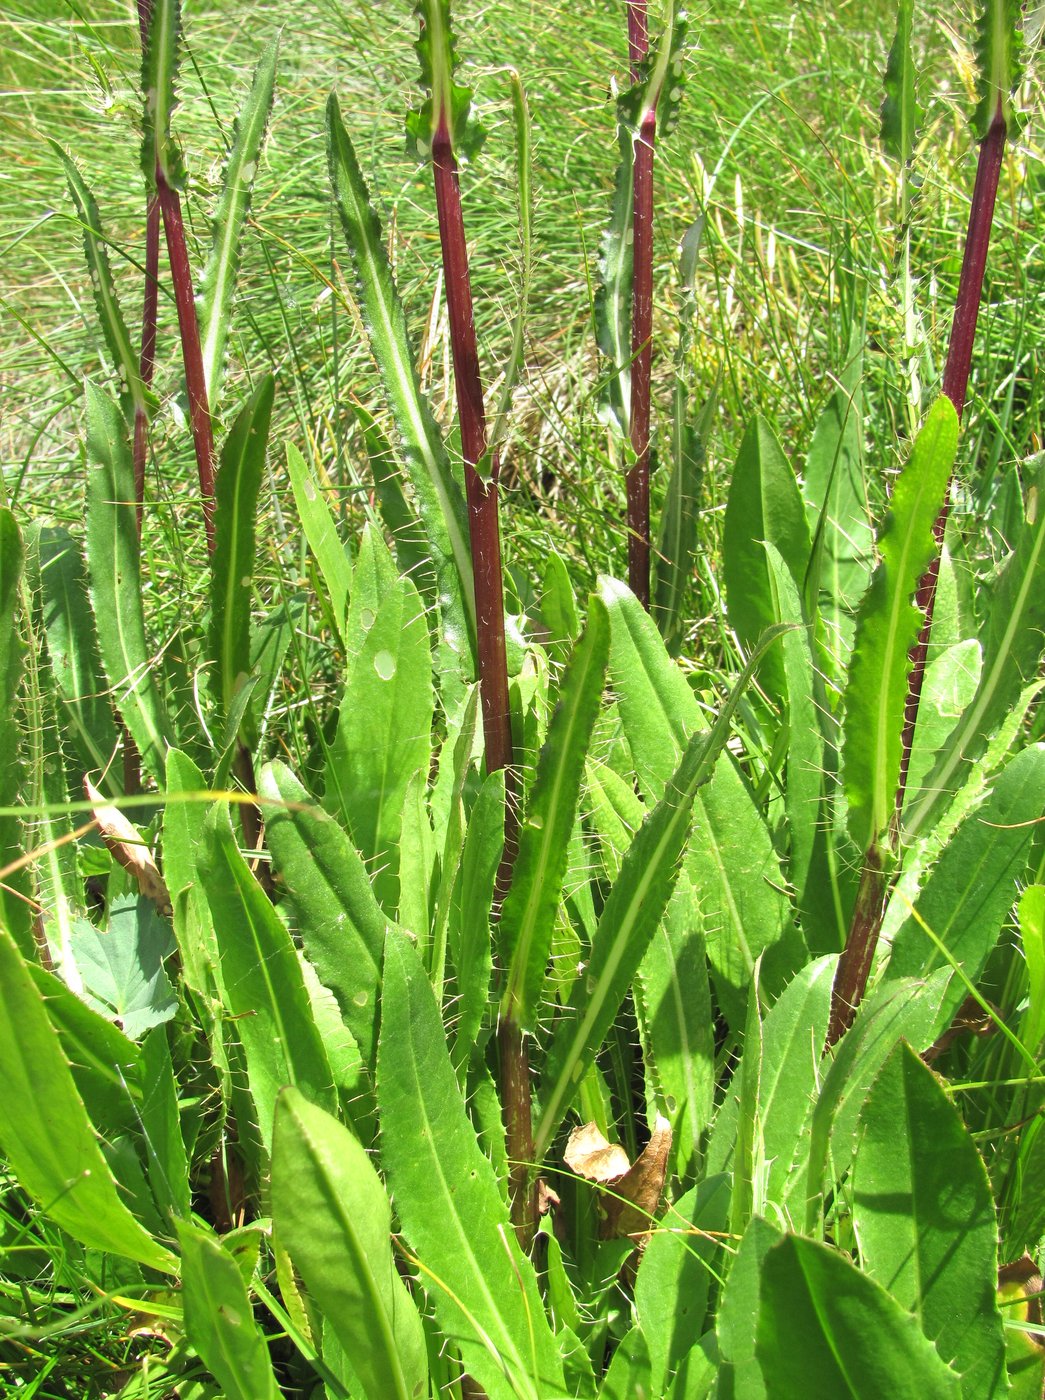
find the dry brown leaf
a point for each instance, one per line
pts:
(591, 1156)
(632, 1208)
(128, 848)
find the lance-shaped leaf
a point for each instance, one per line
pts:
(528, 916)
(219, 1320)
(764, 507)
(659, 89)
(232, 568)
(263, 985)
(46, 1136)
(331, 1214)
(14, 891)
(730, 859)
(320, 527)
(448, 103)
(73, 649)
(924, 1217)
(453, 1215)
(384, 731)
(113, 560)
(341, 923)
(887, 628)
(999, 45)
(160, 152)
(827, 1332)
(110, 314)
(1012, 639)
(630, 917)
(438, 497)
(219, 277)
(900, 112)
(975, 882)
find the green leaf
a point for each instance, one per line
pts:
(320, 529)
(114, 562)
(999, 45)
(764, 506)
(951, 679)
(924, 1218)
(166, 1158)
(902, 1010)
(340, 922)
(232, 567)
(737, 1320)
(438, 496)
(46, 1136)
(1032, 941)
(1012, 640)
(110, 315)
(900, 111)
(331, 1214)
(677, 1025)
(160, 152)
(791, 1039)
(73, 650)
(835, 492)
(219, 1321)
(122, 965)
(218, 284)
(975, 882)
(826, 1331)
(674, 1277)
(384, 731)
(630, 1374)
(887, 628)
(182, 833)
(263, 983)
(469, 925)
(448, 105)
(630, 917)
(730, 858)
(14, 909)
(529, 910)
(453, 1216)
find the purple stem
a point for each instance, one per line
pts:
(485, 537)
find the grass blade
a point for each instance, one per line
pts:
(218, 285)
(331, 1214)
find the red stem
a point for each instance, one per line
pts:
(192, 355)
(485, 537)
(638, 36)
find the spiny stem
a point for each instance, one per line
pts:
(147, 359)
(854, 966)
